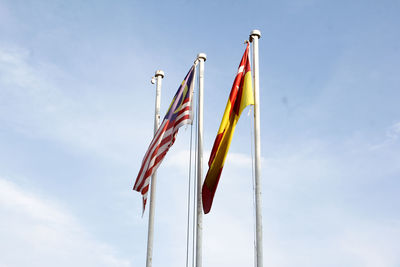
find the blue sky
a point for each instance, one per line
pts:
(76, 116)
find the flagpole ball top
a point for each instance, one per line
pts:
(255, 33)
(202, 55)
(159, 73)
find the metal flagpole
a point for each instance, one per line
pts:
(199, 224)
(254, 36)
(150, 234)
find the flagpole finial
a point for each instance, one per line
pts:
(255, 33)
(202, 55)
(159, 73)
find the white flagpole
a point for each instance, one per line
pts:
(254, 36)
(199, 223)
(150, 234)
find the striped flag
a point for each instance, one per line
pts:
(240, 97)
(178, 114)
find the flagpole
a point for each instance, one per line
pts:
(199, 223)
(254, 36)
(159, 75)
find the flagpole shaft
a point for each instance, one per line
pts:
(199, 223)
(150, 234)
(254, 36)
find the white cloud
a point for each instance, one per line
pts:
(227, 216)
(180, 159)
(177, 158)
(38, 232)
(372, 244)
(228, 239)
(316, 208)
(40, 100)
(391, 136)
(393, 132)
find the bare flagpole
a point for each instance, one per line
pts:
(150, 234)
(254, 36)
(199, 223)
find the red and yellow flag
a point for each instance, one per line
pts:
(240, 97)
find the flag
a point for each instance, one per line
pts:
(178, 114)
(240, 97)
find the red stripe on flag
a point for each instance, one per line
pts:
(215, 147)
(166, 134)
(207, 194)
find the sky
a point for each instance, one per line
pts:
(77, 111)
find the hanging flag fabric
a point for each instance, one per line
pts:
(178, 114)
(240, 97)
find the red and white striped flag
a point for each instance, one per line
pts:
(178, 114)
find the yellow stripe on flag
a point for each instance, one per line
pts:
(240, 97)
